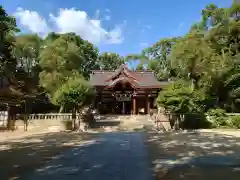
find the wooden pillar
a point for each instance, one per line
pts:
(148, 105)
(123, 107)
(99, 103)
(134, 105)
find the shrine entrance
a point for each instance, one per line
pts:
(125, 91)
(123, 101)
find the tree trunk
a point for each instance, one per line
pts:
(182, 118)
(26, 121)
(61, 109)
(10, 121)
(193, 84)
(177, 123)
(74, 118)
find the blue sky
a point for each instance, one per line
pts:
(129, 25)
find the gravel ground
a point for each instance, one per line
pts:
(112, 156)
(22, 155)
(103, 156)
(199, 155)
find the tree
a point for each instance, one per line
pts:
(74, 94)
(7, 29)
(183, 102)
(110, 61)
(234, 11)
(190, 56)
(208, 57)
(64, 57)
(156, 58)
(27, 49)
(7, 60)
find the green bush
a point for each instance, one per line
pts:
(217, 112)
(217, 118)
(75, 93)
(234, 122)
(181, 99)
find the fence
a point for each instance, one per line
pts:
(3, 118)
(49, 116)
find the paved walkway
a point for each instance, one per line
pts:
(112, 156)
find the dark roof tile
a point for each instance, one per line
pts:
(145, 79)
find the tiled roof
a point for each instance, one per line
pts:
(142, 79)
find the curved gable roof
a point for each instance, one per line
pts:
(139, 79)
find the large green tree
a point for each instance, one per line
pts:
(26, 50)
(110, 61)
(208, 57)
(156, 58)
(65, 56)
(8, 28)
(75, 93)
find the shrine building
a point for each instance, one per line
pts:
(125, 91)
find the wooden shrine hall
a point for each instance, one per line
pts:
(125, 91)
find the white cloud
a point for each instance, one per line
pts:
(71, 20)
(32, 20)
(143, 44)
(107, 10)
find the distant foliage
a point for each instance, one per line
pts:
(217, 118)
(179, 97)
(186, 104)
(217, 112)
(235, 122)
(75, 93)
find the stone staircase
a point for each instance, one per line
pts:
(161, 122)
(158, 121)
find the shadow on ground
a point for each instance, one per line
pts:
(21, 156)
(194, 155)
(107, 156)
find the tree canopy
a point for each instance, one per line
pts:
(75, 93)
(206, 58)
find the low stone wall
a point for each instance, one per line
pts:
(43, 124)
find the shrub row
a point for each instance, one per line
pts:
(218, 118)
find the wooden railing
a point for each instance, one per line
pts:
(49, 116)
(63, 116)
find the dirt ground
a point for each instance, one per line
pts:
(25, 154)
(198, 155)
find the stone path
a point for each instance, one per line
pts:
(112, 156)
